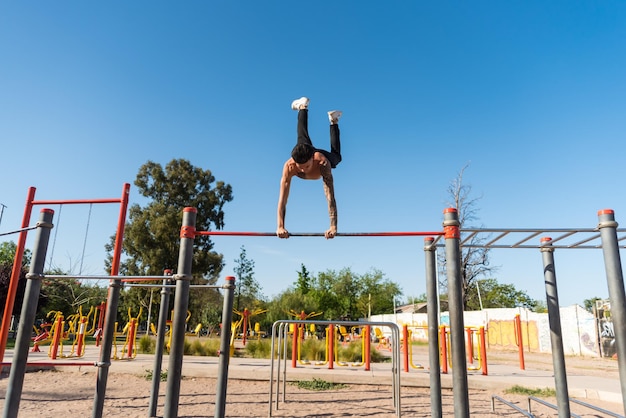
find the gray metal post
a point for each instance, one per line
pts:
(615, 281)
(433, 327)
(160, 344)
(27, 316)
(556, 337)
(181, 303)
(452, 235)
(222, 373)
(108, 334)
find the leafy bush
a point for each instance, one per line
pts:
(146, 345)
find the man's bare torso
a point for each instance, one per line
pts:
(312, 172)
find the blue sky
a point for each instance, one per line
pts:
(530, 94)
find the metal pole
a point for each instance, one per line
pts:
(108, 334)
(433, 327)
(455, 301)
(160, 344)
(181, 303)
(222, 374)
(27, 317)
(615, 280)
(113, 298)
(556, 337)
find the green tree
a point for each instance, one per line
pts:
(345, 294)
(303, 285)
(377, 294)
(151, 241)
(497, 295)
(247, 289)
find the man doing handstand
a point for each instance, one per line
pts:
(310, 163)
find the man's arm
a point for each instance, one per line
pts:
(285, 184)
(329, 191)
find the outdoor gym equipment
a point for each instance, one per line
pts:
(244, 322)
(606, 231)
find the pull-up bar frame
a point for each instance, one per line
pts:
(321, 234)
(21, 245)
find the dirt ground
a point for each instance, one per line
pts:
(71, 393)
(54, 394)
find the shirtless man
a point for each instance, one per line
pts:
(310, 163)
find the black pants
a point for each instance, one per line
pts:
(334, 156)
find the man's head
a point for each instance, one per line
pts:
(302, 153)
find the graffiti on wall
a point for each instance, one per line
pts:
(501, 334)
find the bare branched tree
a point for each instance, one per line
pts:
(474, 261)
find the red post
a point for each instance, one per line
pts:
(58, 334)
(15, 274)
(331, 346)
(407, 347)
(368, 341)
(102, 308)
(119, 236)
(470, 345)
(246, 312)
(294, 346)
(81, 336)
(483, 351)
(444, 350)
(131, 337)
(520, 342)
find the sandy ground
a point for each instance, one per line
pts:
(70, 393)
(55, 394)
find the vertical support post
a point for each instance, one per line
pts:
(444, 349)
(160, 345)
(556, 336)
(110, 318)
(615, 280)
(222, 375)
(59, 324)
(27, 316)
(483, 351)
(367, 331)
(15, 274)
(452, 235)
(101, 310)
(520, 341)
(181, 303)
(432, 295)
(406, 348)
(294, 345)
(469, 340)
(331, 346)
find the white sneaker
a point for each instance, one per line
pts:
(333, 116)
(301, 103)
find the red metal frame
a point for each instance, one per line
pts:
(19, 252)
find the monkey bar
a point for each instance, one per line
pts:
(321, 234)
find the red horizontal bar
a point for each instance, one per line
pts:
(321, 234)
(51, 364)
(74, 202)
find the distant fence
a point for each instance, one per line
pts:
(583, 334)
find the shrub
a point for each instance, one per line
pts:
(146, 345)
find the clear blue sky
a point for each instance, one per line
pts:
(531, 94)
